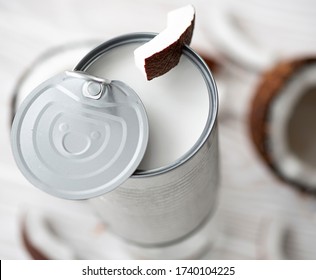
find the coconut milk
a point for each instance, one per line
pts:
(177, 103)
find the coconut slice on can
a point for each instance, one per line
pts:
(283, 121)
(163, 52)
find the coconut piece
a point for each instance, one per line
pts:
(282, 121)
(41, 242)
(163, 52)
(34, 252)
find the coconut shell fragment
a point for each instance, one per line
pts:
(163, 52)
(282, 113)
(34, 252)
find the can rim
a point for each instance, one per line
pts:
(209, 82)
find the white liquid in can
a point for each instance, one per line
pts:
(177, 103)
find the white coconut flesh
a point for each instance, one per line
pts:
(292, 137)
(177, 23)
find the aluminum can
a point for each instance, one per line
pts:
(165, 206)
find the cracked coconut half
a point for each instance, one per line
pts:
(283, 121)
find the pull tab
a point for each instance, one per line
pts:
(93, 89)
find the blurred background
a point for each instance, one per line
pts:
(261, 217)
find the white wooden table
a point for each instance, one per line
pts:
(262, 218)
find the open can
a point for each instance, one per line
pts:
(84, 135)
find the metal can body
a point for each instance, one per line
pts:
(162, 206)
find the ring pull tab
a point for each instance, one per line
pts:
(94, 89)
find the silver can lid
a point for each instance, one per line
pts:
(77, 136)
